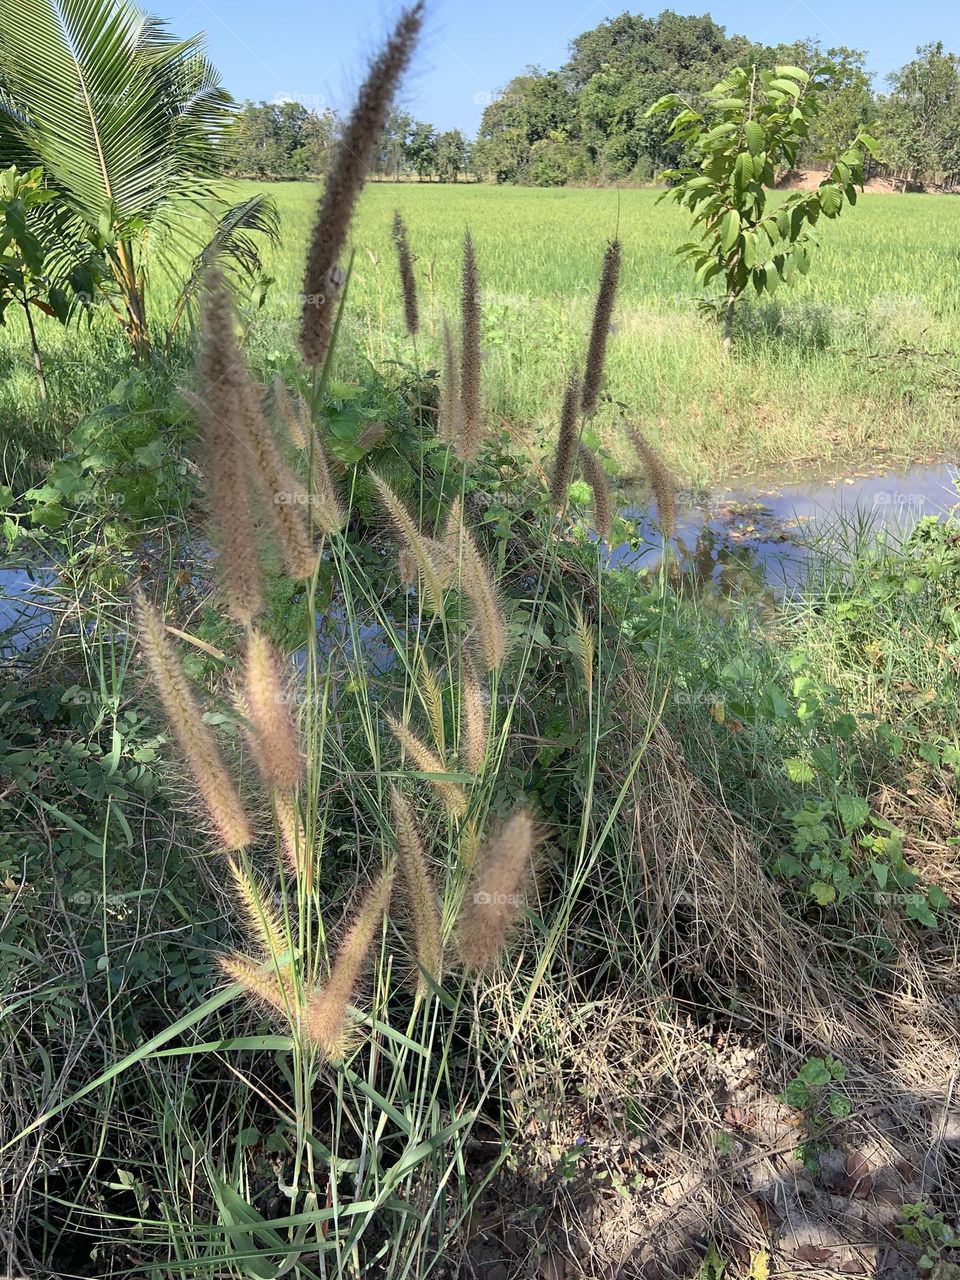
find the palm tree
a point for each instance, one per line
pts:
(125, 120)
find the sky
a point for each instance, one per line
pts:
(316, 50)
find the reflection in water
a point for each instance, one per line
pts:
(758, 541)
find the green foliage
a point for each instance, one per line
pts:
(810, 1091)
(753, 126)
(933, 1235)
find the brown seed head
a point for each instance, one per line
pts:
(596, 478)
(470, 425)
(660, 480)
(417, 543)
(450, 414)
(600, 330)
(495, 894)
(427, 761)
(408, 281)
(567, 441)
(345, 180)
(473, 720)
(266, 702)
(193, 736)
(478, 587)
(326, 1013)
(422, 895)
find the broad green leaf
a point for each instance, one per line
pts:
(755, 136)
(729, 229)
(798, 770)
(823, 893)
(796, 73)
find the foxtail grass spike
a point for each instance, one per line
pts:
(449, 415)
(322, 279)
(264, 922)
(226, 459)
(473, 720)
(424, 913)
(433, 574)
(467, 441)
(326, 1012)
(293, 839)
(408, 283)
(495, 893)
(259, 981)
(600, 330)
(293, 415)
(479, 589)
(596, 478)
(194, 738)
(266, 702)
(660, 480)
(284, 497)
(451, 794)
(567, 440)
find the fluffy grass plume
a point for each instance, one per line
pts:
(259, 981)
(422, 895)
(467, 440)
(452, 795)
(326, 1012)
(293, 839)
(328, 515)
(265, 925)
(495, 893)
(226, 458)
(422, 548)
(293, 415)
(479, 589)
(450, 412)
(596, 478)
(272, 732)
(567, 440)
(284, 497)
(408, 283)
(600, 329)
(660, 480)
(473, 720)
(194, 738)
(321, 283)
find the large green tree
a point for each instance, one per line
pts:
(127, 122)
(919, 122)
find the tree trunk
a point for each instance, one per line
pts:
(35, 346)
(728, 321)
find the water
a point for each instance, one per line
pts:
(762, 535)
(757, 537)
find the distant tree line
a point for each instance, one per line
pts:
(277, 140)
(587, 121)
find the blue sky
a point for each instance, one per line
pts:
(315, 50)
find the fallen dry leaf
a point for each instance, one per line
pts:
(813, 1253)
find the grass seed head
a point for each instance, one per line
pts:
(220, 798)
(473, 720)
(326, 1012)
(600, 329)
(260, 982)
(226, 458)
(408, 283)
(322, 279)
(567, 440)
(417, 543)
(495, 893)
(426, 760)
(660, 480)
(421, 892)
(470, 427)
(478, 587)
(596, 478)
(266, 702)
(450, 413)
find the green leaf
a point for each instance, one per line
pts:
(823, 892)
(796, 73)
(853, 810)
(729, 229)
(831, 199)
(798, 770)
(755, 136)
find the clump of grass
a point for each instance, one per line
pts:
(408, 282)
(323, 279)
(495, 894)
(600, 329)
